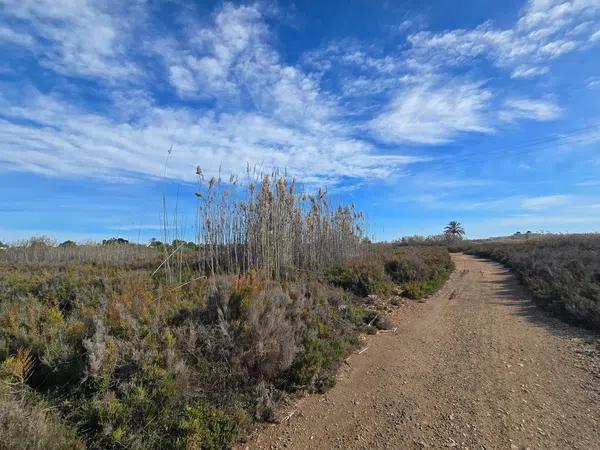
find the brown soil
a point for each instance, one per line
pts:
(477, 366)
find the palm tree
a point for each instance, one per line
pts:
(454, 230)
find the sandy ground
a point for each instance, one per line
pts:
(476, 366)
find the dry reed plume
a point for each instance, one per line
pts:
(268, 226)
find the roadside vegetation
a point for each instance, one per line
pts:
(561, 271)
(186, 345)
(412, 271)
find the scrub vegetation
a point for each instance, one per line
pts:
(186, 345)
(561, 271)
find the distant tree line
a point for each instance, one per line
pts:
(453, 232)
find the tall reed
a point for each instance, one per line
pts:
(266, 224)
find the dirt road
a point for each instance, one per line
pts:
(477, 366)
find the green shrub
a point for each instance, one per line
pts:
(420, 271)
(361, 278)
(124, 359)
(314, 367)
(128, 353)
(207, 428)
(419, 289)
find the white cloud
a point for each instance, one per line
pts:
(419, 110)
(433, 114)
(264, 112)
(352, 54)
(544, 202)
(233, 62)
(580, 138)
(211, 59)
(260, 107)
(546, 29)
(10, 35)
(58, 139)
(540, 110)
(78, 37)
(528, 72)
(593, 83)
(360, 70)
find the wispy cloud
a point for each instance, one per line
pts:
(570, 205)
(544, 202)
(266, 112)
(433, 114)
(233, 62)
(228, 96)
(529, 109)
(212, 60)
(76, 37)
(593, 83)
(546, 30)
(54, 138)
(580, 138)
(425, 87)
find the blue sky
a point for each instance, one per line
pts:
(485, 112)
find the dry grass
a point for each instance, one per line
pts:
(26, 422)
(44, 252)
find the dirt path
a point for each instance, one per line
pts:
(477, 366)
